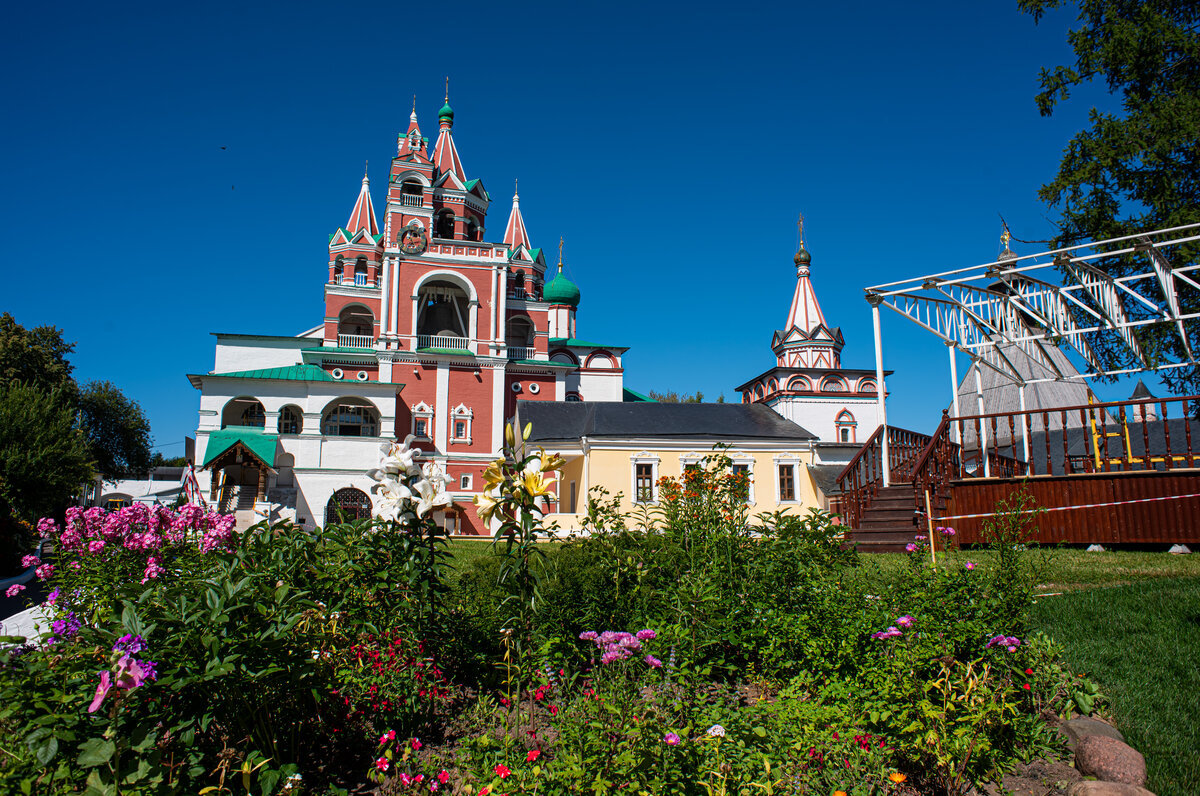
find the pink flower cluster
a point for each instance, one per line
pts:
(617, 645)
(906, 622)
(1010, 643)
(139, 527)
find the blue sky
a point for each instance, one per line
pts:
(175, 170)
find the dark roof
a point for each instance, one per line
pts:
(570, 420)
(1141, 391)
(825, 476)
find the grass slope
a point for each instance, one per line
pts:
(1140, 642)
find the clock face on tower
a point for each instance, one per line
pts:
(412, 239)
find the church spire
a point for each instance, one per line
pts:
(445, 154)
(363, 215)
(805, 313)
(413, 142)
(515, 234)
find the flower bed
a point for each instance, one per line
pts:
(702, 655)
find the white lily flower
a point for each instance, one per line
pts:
(431, 489)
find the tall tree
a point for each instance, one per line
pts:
(37, 356)
(116, 430)
(44, 457)
(1139, 169)
(672, 397)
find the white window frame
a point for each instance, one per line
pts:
(461, 414)
(422, 411)
(464, 482)
(644, 457)
(747, 461)
(794, 463)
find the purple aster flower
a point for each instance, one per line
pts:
(905, 621)
(910, 547)
(653, 662)
(671, 739)
(970, 565)
(130, 643)
(587, 635)
(646, 635)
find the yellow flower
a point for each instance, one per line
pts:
(897, 777)
(494, 474)
(488, 502)
(536, 484)
(552, 462)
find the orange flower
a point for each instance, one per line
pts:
(897, 777)
(839, 793)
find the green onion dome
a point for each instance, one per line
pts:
(561, 290)
(446, 112)
(802, 257)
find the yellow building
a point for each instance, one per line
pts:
(627, 447)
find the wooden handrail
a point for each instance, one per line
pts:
(1104, 405)
(853, 462)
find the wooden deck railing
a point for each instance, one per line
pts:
(1116, 436)
(861, 479)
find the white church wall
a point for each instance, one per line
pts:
(600, 386)
(819, 414)
(236, 353)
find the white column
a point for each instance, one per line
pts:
(881, 394)
(473, 327)
(384, 295)
(954, 392)
(498, 373)
(982, 440)
(441, 407)
(1024, 437)
(395, 296)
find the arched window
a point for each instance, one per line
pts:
(443, 224)
(518, 333)
(350, 417)
(339, 268)
(360, 271)
(291, 420)
(244, 411)
(442, 310)
(411, 188)
(799, 384)
(356, 327)
(347, 505)
(471, 229)
(867, 386)
(845, 426)
(519, 284)
(833, 384)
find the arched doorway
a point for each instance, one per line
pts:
(347, 505)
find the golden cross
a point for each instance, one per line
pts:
(800, 228)
(447, 88)
(560, 245)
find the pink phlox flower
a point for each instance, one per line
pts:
(128, 675)
(14, 590)
(153, 569)
(30, 561)
(47, 527)
(96, 545)
(52, 598)
(44, 571)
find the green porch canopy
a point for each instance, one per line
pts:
(254, 440)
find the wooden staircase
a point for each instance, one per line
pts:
(886, 525)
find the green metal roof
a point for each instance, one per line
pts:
(571, 341)
(287, 373)
(304, 372)
(256, 440)
(561, 290)
(459, 351)
(635, 397)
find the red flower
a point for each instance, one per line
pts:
(1026, 686)
(1029, 671)
(501, 770)
(554, 710)
(533, 755)
(416, 745)
(443, 776)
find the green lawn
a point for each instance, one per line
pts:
(1058, 570)
(1140, 643)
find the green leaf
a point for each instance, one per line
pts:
(95, 752)
(761, 732)
(44, 748)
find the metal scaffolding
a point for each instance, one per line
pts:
(1035, 303)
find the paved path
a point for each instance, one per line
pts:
(31, 623)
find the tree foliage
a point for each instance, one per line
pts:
(37, 356)
(672, 397)
(44, 456)
(116, 429)
(1137, 170)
